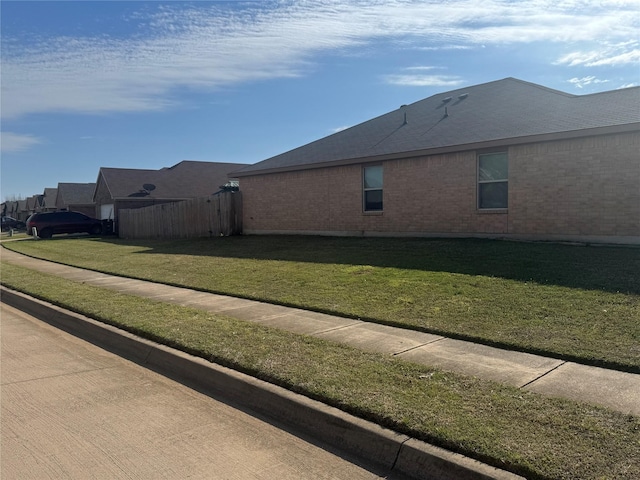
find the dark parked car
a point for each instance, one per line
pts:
(10, 222)
(47, 224)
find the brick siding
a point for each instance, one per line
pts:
(578, 187)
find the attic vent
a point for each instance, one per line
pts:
(463, 96)
(445, 100)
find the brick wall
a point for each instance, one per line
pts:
(580, 187)
(588, 186)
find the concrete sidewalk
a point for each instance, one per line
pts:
(72, 410)
(616, 390)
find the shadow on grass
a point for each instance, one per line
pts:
(607, 268)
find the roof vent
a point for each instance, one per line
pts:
(445, 100)
(463, 96)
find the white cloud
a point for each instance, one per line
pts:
(584, 81)
(14, 142)
(424, 80)
(607, 55)
(415, 78)
(447, 47)
(208, 45)
(422, 69)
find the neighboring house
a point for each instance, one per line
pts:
(12, 209)
(49, 200)
(125, 188)
(21, 213)
(76, 197)
(501, 159)
(34, 204)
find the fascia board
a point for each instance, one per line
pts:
(503, 142)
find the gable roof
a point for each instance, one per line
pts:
(33, 202)
(187, 179)
(50, 195)
(75, 194)
(470, 117)
(12, 207)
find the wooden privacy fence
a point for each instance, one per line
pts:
(212, 216)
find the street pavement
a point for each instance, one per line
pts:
(549, 376)
(72, 410)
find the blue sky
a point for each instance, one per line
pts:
(89, 84)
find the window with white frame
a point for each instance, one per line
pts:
(493, 181)
(372, 188)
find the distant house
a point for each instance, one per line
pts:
(11, 209)
(49, 199)
(126, 188)
(76, 197)
(33, 205)
(502, 159)
(21, 212)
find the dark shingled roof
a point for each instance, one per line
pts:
(187, 179)
(75, 194)
(503, 110)
(34, 201)
(50, 195)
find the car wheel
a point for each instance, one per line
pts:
(45, 233)
(96, 230)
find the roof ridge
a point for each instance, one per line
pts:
(542, 87)
(127, 168)
(609, 92)
(199, 161)
(74, 183)
(480, 85)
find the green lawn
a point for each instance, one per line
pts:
(571, 302)
(529, 434)
(6, 237)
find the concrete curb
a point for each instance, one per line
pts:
(366, 440)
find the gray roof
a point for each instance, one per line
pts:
(502, 110)
(75, 193)
(34, 201)
(50, 195)
(187, 179)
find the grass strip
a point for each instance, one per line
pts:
(570, 302)
(5, 237)
(520, 431)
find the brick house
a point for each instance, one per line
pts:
(507, 159)
(49, 200)
(33, 205)
(21, 212)
(76, 197)
(11, 209)
(126, 188)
